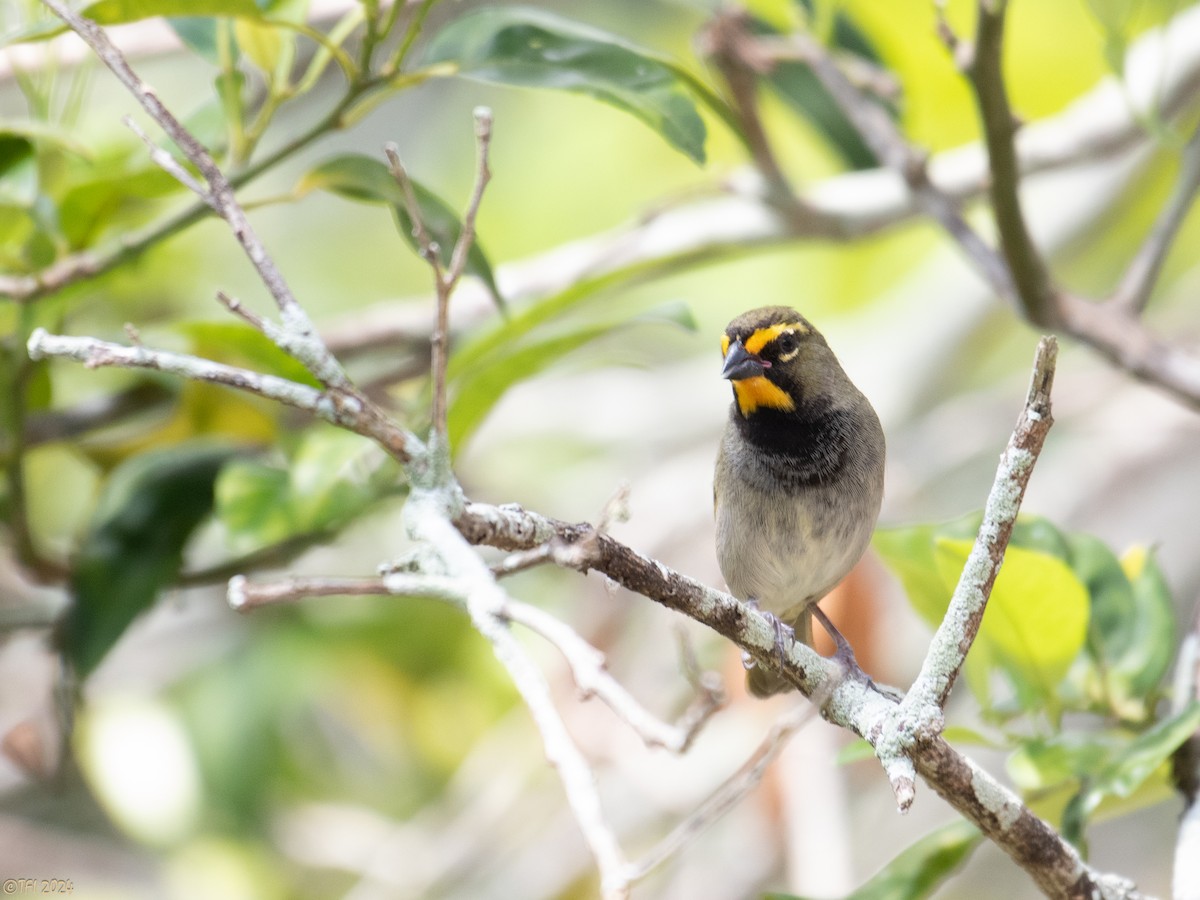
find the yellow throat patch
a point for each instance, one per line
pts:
(758, 391)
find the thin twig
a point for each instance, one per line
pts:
(235, 306)
(725, 41)
(1134, 291)
(344, 409)
(425, 514)
(729, 794)
(891, 147)
(483, 175)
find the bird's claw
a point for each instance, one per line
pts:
(785, 635)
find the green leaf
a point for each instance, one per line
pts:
(199, 34)
(18, 171)
(239, 344)
(481, 386)
(91, 208)
(1036, 619)
(253, 502)
(908, 552)
(1129, 768)
(119, 12)
(263, 45)
(1150, 651)
(920, 869)
(150, 506)
(802, 90)
(363, 178)
(332, 476)
(526, 47)
(335, 474)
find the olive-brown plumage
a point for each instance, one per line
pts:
(799, 476)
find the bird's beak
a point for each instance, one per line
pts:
(739, 364)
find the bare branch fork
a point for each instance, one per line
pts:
(1016, 271)
(905, 736)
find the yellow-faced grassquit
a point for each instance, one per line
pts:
(799, 477)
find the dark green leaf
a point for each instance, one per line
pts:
(18, 171)
(532, 48)
(150, 506)
(363, 178)
(800, 89)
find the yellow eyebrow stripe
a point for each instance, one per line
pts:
(724, 345)
(763, 336)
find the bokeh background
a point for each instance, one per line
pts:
(373, 747)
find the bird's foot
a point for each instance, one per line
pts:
(784, 636)
(844, 653)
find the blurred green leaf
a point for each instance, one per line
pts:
(527, 47)
(119, 12)
(481, 386)
(1042, 763)
(263, 45)
(920, 869)
(908, 552)
(199, 34)
(253, 503)
(332, 476)
(18, 170)
(1036, 619)
(363, 178)
(1128, 769)
(1149, 655)
(802, 90)
(92, 206)
(336, 474)
(239, 344)
(149, 508)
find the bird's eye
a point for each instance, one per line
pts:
(786, 344)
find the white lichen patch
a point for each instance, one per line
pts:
(995, 798)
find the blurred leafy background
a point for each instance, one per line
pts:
(370, 747)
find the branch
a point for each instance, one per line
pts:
(1034, 292)
(948, 650)
(1133, 293)
(725, 41)
(905, 737)
(425, 515)
(338, 407)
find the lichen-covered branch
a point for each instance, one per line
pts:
(956, 634)
(342, 408)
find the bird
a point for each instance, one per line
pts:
(799, 476)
